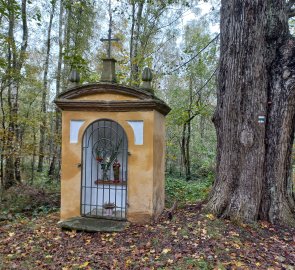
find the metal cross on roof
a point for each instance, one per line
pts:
(109, 39)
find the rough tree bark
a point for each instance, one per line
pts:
(256, 80)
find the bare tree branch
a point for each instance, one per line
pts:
(195, 56)
(205, 84)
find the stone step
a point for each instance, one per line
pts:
(93, 224)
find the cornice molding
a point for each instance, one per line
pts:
(104, 87)
(113, 106)
(146, 100)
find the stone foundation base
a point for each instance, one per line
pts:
(140, 218)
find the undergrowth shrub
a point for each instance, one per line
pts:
(186, 192)
(30, 200)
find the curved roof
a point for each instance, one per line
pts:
(145, 100)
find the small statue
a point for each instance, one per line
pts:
(116, 170)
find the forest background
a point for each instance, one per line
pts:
(43, 41)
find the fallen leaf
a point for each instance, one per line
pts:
(83, 265)
(166, 250)
(210, 216)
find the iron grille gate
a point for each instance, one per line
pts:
(104, 171)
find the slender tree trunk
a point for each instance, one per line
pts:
(9, 159)
(185, 149)
(33, 157)
(2, 166)
(202, 127)
(180, 159)
(189, 129)
(44, 93)
(56, 147)
(12, 169)
(19, 65)
(186, 134)
(66, 47)
(3, 140)
(134, 59)
(255, 113)
(132, 42)
(188, 158)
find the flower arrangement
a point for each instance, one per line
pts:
(106, 157)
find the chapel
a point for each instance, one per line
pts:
(113, 149)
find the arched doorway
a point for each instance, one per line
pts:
(104, 170)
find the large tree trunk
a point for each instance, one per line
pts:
(256, 80)
(278, 203)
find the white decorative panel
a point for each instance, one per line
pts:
(137, 127)
(75, 126)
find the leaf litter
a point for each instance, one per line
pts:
(191, 240)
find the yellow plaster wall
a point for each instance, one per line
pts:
(106, 96)
(159, 164)
(140, 164)
(145, 163)
(70, 172)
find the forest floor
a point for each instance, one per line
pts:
(191, 240)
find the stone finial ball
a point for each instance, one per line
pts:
(74, 76)
(147, 75)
